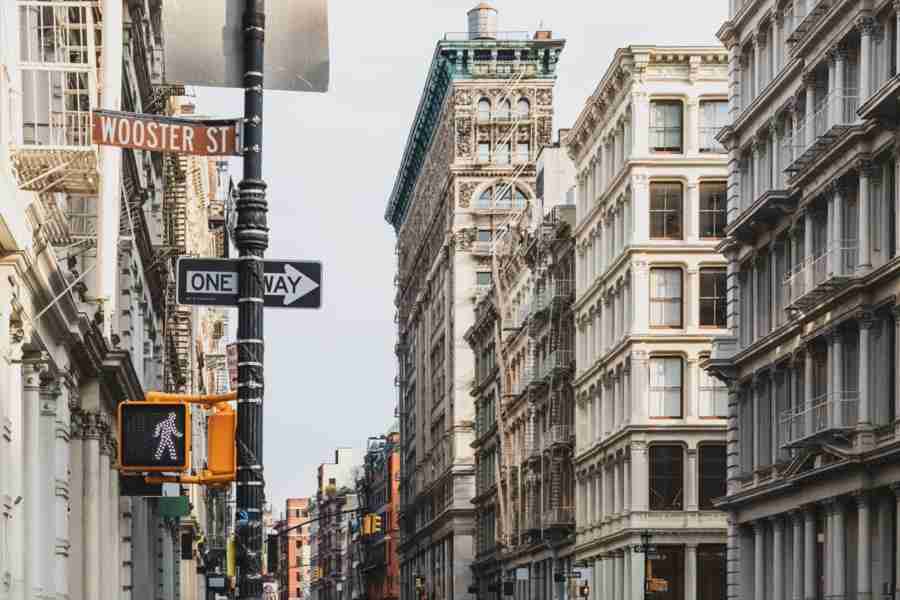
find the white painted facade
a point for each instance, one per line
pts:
(649, 178)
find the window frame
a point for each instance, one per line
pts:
(482, 115)
(667, 210)
(478, 278)
(482, 158)
(668, 468)
(704, 550)
(519, 104)
(719, 447)
(650, 387)
(655, 130)
(706, 211)
(716, 147)
(723, 273)
(653, 298)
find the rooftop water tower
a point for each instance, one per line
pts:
(483, 22)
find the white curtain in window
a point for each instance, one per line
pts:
(665, 387)
(665, 294)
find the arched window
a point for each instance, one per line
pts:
(505, 110)
(520, 198)
(486, 199)
(484, 110)
(523, 107)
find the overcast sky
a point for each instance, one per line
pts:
(330, 162)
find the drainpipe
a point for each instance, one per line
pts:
(111, 166)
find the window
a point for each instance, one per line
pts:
(523, 152)
(483, 278)
(713, 298)
(666, 478)
(666, 125)
(665, 298)
(713, 397)
(523, 107)
(504, 153)
(520, 199)
(711, 572)
(713, 117)
(666, 200)
(665, 574)
(484, 152)
(712, 474)
(713, 206)
(484, 110)
(665, 387)
(484, 235)
(504, 111)
(297, 575)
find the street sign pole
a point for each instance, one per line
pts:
(251, 239)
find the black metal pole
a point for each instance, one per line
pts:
(251, 239)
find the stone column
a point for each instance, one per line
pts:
(896, 158)
(840, 549)
(896, 567)
(626, 486)
(690, 571)
(733, 467)
(776, 155)
(778, 575)
(809, 78)
(808, 381)
(808, 248)
(840, 69)
(690, 490)
(616, 494)
(107, 517)
(837, 368)
(865, 421)
(33, 368)
(797, 575)
(866, 26)
(896, 314)
(94, 425)
(733, 559)
(626, 574)
(809, 553)
(759, 563)
(639, 477)
(620, 572)
(629, 405)
(600, 495)
(839, 262)
(829, 236)
(865, 247)
(757, 429)
(863, 544)
(76, 506)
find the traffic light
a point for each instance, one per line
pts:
(154, 436)
(221, 427)
(367, 524)
(375, 527)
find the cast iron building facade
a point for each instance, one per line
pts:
(812, 247)
(650, 297)
(469, 162)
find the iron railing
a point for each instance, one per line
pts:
(563, 516)
(827, 413)
(836, 262)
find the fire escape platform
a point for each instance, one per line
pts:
(821, 292)
(71, 169)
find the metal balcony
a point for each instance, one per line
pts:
(817, 133)
(558, 436)
(802, 25)
(562, 291)
(828, 415)
(559, 517)
(820, 277)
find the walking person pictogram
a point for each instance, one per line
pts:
(164, 431)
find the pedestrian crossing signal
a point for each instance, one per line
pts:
(154, 437)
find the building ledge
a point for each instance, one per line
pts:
(883, 104)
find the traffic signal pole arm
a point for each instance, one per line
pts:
(207, 399)
(305, 523)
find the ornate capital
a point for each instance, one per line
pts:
(866, 25)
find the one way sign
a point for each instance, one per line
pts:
(214, 282)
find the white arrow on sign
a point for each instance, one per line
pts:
(292, 284)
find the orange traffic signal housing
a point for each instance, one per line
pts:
(221, 427)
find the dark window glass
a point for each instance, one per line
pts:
(665, 574)
(713, 298)
(712, 209)
(483, 278)
(484, 235)
(711, 572)
(666, 200)
(666, 125)
(712, 474)
(666, 478)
